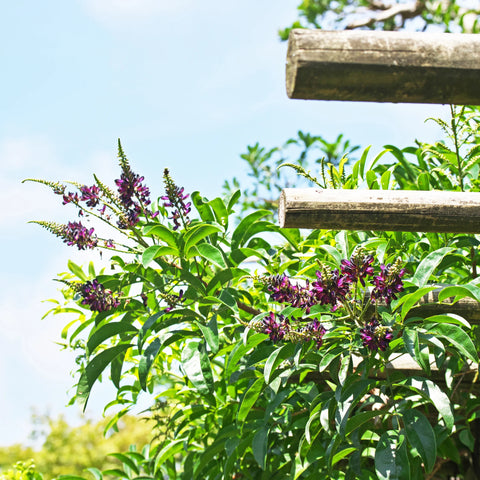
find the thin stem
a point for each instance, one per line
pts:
(457, 146)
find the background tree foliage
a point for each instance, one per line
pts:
(70, 450)
(448, 15)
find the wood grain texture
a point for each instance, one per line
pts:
(377, 66)
(386, 210)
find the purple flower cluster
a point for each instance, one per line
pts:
(316, 330)
(284, 292)
(358, 267)
(97, 297)
(174, 300)
(130, 188)
(70, 197)
(388, 283)
(134, 197)
(330, 288)
(90, 195)
(175, 199)
(374, 336)
(280, 328)
(74, 233)
(333, 287)
(276, 330)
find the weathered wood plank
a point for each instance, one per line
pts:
(375, 66)
(391, 210)
(406, 365)
(467, 308)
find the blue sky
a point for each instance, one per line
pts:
(185, 85)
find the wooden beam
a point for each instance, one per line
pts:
(429, 305)
(377, 66)
(407, 366)
(390, 210)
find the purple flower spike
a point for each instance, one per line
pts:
(330, 288)
(374, 336)
(97, 297)
(175, 199)
(74, 233)
(130, 187)
(358, 267)
(275, 329)
(284, 292)
(134, 197)
(70, 197)
(388, 283)
(316, 330)
(91, 195)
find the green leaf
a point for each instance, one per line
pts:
(240, 350)
(412, 344)
(212, 253)
(149, 323)
(361, 163)
(155, 251)
(391, 462)
(198, 233)
(333, 252)
(94, 369)
(220, 211)
(407, 302)
(457, 338)
(276, 358)
(95, 472)
(385, 179)
(202, 206)
(459, 291)
(428, 265)
(233, 200)
(423, 181)
(172, 448)
(329, 357)
(146, 361)
(239, 236)
(107, 331)
(126, 461)
(292, 235)
(161, 232)
(342, 454)
(77, 271)
(196, 365)
(249, 399)
(433, 394)
(421, 437)
(449, 318)
(224, 276)
(347, 398)
(116, 369)
(360, 418)
(210, 333)
(259, 447)
(372, 182)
